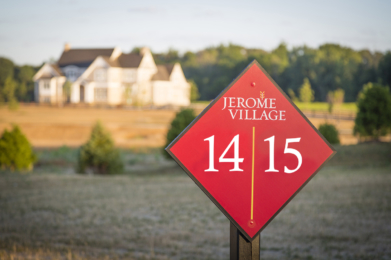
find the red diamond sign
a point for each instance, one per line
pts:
(251, 150)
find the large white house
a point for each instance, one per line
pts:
(108, 76)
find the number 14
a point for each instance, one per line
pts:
(236, 160)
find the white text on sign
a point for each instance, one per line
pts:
(236, 160)
(253, 109)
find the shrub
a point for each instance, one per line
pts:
(329, 132)
(99, 154)
(15, 151)
(182, 119)
(374, 111)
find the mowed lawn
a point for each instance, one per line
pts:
(343, 213)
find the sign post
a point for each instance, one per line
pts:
(241, 248)
(251, 151)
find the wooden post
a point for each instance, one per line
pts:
(241, 248)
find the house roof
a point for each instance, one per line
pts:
(44, 73)
(169, 68)
(130, 60)
(162, 73)
(112, 63)
(57, 69)
(82, 57)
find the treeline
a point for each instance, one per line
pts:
(330, 67)
(16, 82)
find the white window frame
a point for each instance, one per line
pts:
(46, 84)
(100, 94)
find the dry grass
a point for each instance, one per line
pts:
(343, 213)
(71, 126)
(54, 127)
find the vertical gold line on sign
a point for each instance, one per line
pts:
(252, 179)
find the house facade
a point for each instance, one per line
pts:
(108, 76)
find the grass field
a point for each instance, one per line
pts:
(344, 108)
(71, 126)
(159, 213)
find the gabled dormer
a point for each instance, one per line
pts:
(48, 71)
(48, 84)
(147, 67)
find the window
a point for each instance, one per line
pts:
(71, 74)
(100, 94)
(100, 75)
(129, 75)
(46, 84)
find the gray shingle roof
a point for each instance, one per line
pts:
(82, 57)
(131, 60)
(162, 73)
(169, 68)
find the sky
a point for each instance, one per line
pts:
(32, 32)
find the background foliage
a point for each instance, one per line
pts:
(16, 82)
(328, 68)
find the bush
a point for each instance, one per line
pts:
(99, 154)
(182, 119)
(15, 151)
(374, 112)
(329, 132)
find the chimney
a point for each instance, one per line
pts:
(67, 47)
(144, 50)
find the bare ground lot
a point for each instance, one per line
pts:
(343, 213)
(53, 126)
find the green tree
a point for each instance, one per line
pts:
(292, 95)
(306, 94)
(66, 91)
(374, 112)
(25, 84)
(6, 70)
(194, 94)
(99, 154)
(329, 132)
(384, 69)
(8, 93)
(335, 98)
(182, 119)
(15, 151)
